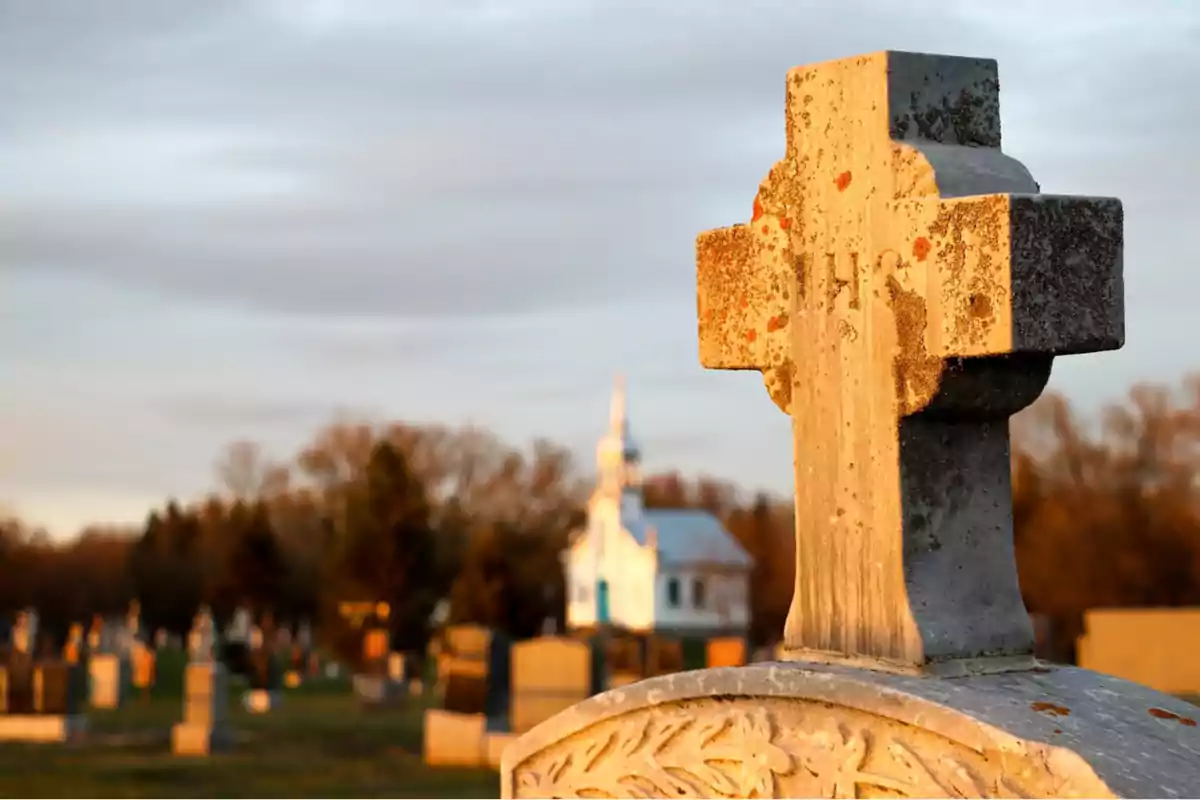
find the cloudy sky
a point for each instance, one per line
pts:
(228, 219)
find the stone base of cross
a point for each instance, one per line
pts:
(904, 288)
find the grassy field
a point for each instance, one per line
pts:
(317, 744)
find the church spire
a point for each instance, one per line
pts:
(617, 455)
(618, 420)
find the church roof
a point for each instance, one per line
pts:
(685, 536)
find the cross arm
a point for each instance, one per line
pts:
(1016, 273)
(744, 287)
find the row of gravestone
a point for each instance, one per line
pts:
(493, 690)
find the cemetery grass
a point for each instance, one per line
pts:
(318, 743)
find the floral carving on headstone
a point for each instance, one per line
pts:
(762, 748)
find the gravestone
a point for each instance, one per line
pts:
(373, 685)
(40, 698)
(904, 289)
(550, 674)
(19, 666)
(624, 660)
(59, 688)
(263, 675)
(138, 657)
(106, 670)
(725, 651)
(475, 700)
(74, 650)
(205, 694)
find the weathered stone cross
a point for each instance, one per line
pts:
(904, 288)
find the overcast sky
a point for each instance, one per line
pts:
(232, 219)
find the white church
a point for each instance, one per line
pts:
(676, 572)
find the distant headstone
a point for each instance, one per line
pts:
(206, 694)
(240, 625)
(105, 675)
(144, 667)
(549, 675)
(264, 677)
(625, 661)
(95, 634)
(75, 646)
(396, 664)
(131, 633)
(725, 651)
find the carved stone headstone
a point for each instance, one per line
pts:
(904, 288)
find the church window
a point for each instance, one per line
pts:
(698, 591)
(673, 592)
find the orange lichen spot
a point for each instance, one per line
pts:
(758, 211)
(1051, 708)
(843, 181)
(751, 335)
(777, 323)
(785, 223)
(1162, 713)
(766, 229)
(921, 248)
(744, 301)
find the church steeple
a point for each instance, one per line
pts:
(618, 421)
(617, 455)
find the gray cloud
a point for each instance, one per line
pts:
(473, 158)
(257, 415)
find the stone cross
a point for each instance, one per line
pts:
(904, 288)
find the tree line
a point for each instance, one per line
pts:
(1105, 514)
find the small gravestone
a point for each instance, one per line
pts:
(263, 692)
(725, 651)
(106, 670)
(904, 289)
(235, 647)
(625, 660)
(372, 683)
(475, 699)
(40, 699)
(550, 674)
(396, 667)
(205, 694)
(139, 659)
(75, 648)
(19, 669)
(59, 688)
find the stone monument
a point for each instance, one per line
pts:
(205, 694)
(105, 668)
(904, 288)
(263, 674)
(40, 697)
(74, 649)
